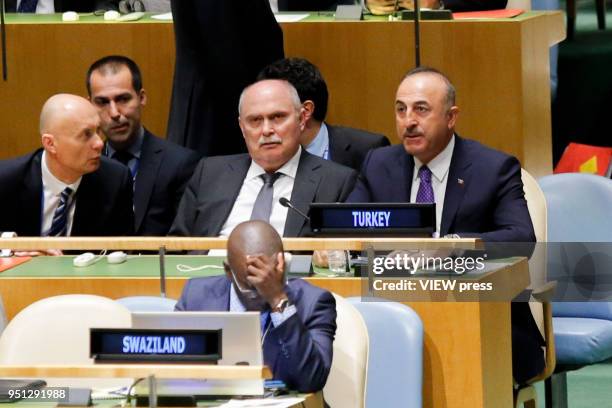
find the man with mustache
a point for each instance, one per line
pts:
(66, 188)
(227, 190)
(477, 190)
(160, 169)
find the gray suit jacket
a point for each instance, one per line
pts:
(214, 187)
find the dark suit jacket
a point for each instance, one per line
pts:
(299, 351)
(221, 45)
(489, 204)
(163, 171)
(214, 187)
(72, 5)
(103, 200)
(474, 5)
(349, 146)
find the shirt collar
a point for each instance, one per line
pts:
(439, 165)
(135, 148)
(320, 143)
(52, 183)
(235, 303)
(288, 169)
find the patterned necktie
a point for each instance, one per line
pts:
(263, 203)
(60, 217)
(27, 6)
(425, 193)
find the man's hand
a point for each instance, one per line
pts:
(319, 258)
(267, 274)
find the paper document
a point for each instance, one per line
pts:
(165, 16)
(278, 402)
(289, 18)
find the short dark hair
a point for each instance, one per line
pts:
(450, 88)
(305, 77)
(112, 64)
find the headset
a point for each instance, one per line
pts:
(131, 6)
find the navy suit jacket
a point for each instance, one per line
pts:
(103, 204)
(72, 5)
(210, 194)
(164, 170)
(349, 146)
(299, 351)
(484, 192)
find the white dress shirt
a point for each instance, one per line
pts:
(274, 6)
(52, 191)
(283, 187)
(439, 167)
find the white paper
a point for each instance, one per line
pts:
(278, 402)
(289, 18)
(165, 17)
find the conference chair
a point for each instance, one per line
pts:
(345, 385)
(600, 5)
(148, 303)
(578, 223)
(55, 330)
(542, 291)
(395, 361)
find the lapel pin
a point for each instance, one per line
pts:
(460, 181)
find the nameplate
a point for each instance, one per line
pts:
(148, 345)
(371, 219)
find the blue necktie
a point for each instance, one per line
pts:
(60, 217)
(264, 318)
(27, 6)
(425, 193)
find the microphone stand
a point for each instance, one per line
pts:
(3, 40)
(417, 34)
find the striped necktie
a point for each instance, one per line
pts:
(60, 217)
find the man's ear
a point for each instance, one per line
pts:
(453, 114)
(309, 108)
(48, 142)
(228, 271)
(143, 97)
(280, 262)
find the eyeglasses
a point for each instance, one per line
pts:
(250, 294)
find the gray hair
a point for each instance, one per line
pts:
(293, 94)
(450, 88)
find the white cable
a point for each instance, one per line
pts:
(187, 268)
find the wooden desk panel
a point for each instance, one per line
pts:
(500, 69)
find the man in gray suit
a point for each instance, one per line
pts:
(228, 190)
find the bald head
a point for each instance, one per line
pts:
(70, 135)
(61, 108)
(252, 237)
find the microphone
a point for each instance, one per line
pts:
(3, 41)
(286, 203)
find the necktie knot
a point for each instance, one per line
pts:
(123, 157)
(425, 174)
(270, 179)
(66, 193)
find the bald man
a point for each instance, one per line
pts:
(298, 319)
(66, 188)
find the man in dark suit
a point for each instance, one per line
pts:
(298, 319)
(228, 190)
(477, 190)
(160, 169)
(344, 145)
(59, 6)
(66, 188)
(221, 45)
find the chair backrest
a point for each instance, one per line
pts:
(519, 4)
(578, 207)
(345, 385)
(148, 303)
(395, 361)
(55, 330)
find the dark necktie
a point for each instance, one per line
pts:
(263, 203)
(425, 193)
(60, 217)
(27, 6)
(124, 157)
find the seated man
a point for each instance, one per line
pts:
(59, 6)
(227, 190)
(66, 188)
(343, 145)
(160, 169)
(477, 190)
(298, 319)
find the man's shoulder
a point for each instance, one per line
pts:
(357, 136)
(480, 153)
(307, 291)
(172, 149)
(14, 169)
(330, 166)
